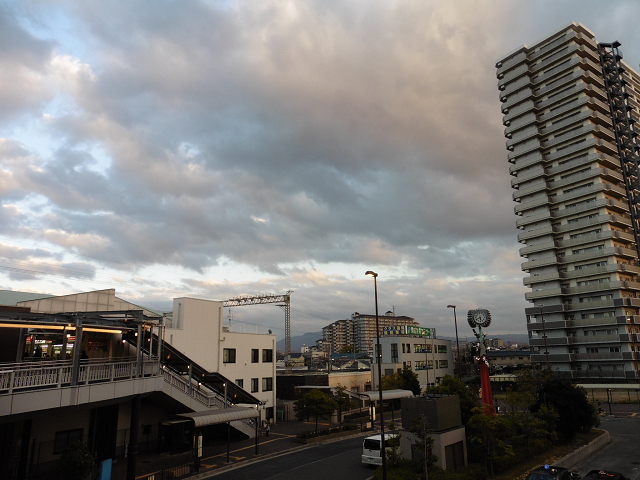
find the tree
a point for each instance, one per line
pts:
(575, 412)
(454, 386)
(314, 404)
(410, 380)
(491, 435)
(393, 446)
(405, 379)
(342, 400)
(349, 349)
(392, 382)
(424, 443)
(76, 462)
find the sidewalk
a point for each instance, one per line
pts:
(282, 438)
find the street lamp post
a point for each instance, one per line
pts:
(369, 273)
(455, 321)
(544, 334)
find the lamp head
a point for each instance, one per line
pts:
(369, 273)
(451, 306)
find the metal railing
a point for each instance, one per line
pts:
(58, 373)
(204, 396)
(176, 472)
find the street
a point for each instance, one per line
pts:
(336, 460)
(622, 454)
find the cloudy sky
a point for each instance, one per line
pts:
(219, 148)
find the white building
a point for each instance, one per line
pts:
(196, 329)
(101, 373)
(430, 358)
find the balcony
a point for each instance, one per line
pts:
(590, 339)
(555, 358)
(539, 342)
(598, 356)
(552, 325)
(535, 233)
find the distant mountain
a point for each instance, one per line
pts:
(307, 339)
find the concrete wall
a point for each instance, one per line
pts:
(351, 380)
(440, 442)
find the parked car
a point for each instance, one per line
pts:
(547, 472)
(604, 474)
(371, 449)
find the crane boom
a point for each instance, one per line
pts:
(282, 301)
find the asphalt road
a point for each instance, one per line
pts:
(622, 454)
(333, 461)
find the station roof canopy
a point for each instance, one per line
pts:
(222, 415)
(387, 395)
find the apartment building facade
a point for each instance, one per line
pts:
(360, 331)
(569, 105)
(430, 358)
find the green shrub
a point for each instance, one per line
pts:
(76, 462)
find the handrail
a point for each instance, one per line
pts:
(56, 374)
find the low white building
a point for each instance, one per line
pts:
(196, 328)
(430, 358)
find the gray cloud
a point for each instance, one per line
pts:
(289, 143)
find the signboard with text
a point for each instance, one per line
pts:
(406, 330)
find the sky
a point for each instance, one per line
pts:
(213, 149)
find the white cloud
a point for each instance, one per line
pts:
(213, 150)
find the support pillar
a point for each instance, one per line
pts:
(139, 350)
(20, 347)
(75, 368)
(133, 438)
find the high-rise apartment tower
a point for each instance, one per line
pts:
(569, 105)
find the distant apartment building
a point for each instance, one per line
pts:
(509, 358)
(360, 331)
(570, 104)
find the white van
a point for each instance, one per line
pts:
(371, 451)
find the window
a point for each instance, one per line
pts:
(255, 355)
(254, 385)
(444, 363)
(65, 439)
(442, 349)
(408, 348)
(394, 352)
(267, 384)
(229, 355)
(267, 355)
(240, 382)
(417, 348)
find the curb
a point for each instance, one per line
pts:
(575, 457)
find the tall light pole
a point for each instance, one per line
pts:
(369, 273)
(455, 321)
(544, 334)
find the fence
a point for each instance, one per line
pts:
(179, 471)
(56, 374)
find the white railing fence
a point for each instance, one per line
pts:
(56, 374)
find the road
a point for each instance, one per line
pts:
(622, 454)
(336, 461)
